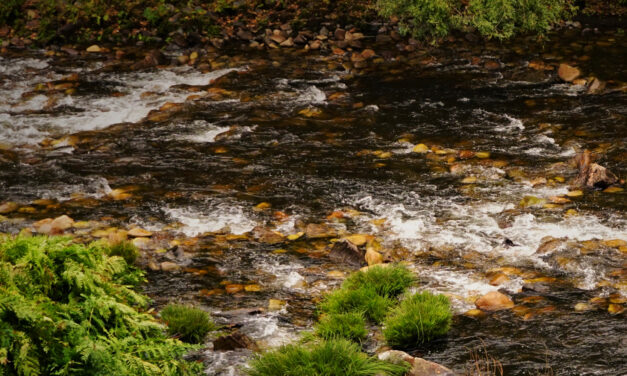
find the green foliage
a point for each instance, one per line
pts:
(363, 300)
(10, 9)
(389, 281)
(71, 309)
(492, 18)
(336, 357)
(350, 325)
(418, 319)
(504, 18)
(124, 249)
(187, 323)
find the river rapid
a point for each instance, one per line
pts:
(223, 162)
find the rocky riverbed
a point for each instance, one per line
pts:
(237, 173)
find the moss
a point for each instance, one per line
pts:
(336, 357)
(418, 319)
(350, 325)
(187, 323)
(387, 281)
(363, 300)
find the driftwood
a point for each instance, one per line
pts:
(592, 175)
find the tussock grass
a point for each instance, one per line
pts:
(362, 300)
(189, 324)
(336, 357)
(387, 281)
(350, 325)
(124, 249)
(418, 319)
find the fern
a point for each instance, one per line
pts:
(71, 309)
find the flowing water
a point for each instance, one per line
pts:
(322, 143)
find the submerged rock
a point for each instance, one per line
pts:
(8, 207)
(345, 252)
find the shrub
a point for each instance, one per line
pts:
(350, 325)
(70, 309)
(387, 281)
(187, 323)
(362, 300)
(492, 18)
(124, 249)
(336, 357)
(418, 319)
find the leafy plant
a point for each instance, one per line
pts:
(71, 309)
(187, 323)
(417, 319)
(336, 357)
(350, 325)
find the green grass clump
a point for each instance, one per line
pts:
(389, 281)
(124, 249)
(336, 357)
(187, 323)
(350, 325)
(362, 300)
(70, 309)
(418, 319)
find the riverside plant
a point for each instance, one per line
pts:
(71, 309)
(419, 318)
(189, 324)
(334, 357)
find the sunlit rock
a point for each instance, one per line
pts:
(494, 301)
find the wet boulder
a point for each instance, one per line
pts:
(592, 175)
(234, 341)
(494, 301)
(419, 366)
(8, 207)
(345, 252)
(568, 73)
(549, 244)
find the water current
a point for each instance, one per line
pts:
(322, 142)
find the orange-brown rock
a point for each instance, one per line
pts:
(494, 301)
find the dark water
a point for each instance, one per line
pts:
(196, 176)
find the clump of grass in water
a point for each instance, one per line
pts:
(417, 319)
(387, 281)
(335, 357)
(189, 324)
(369, 292)
(350, 325)
(363, 300)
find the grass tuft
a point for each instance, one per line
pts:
(124, 249)
(336, 357)
(418, 319)
(389, 281)
(350, 325)
(189, 324)
(362, 300)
